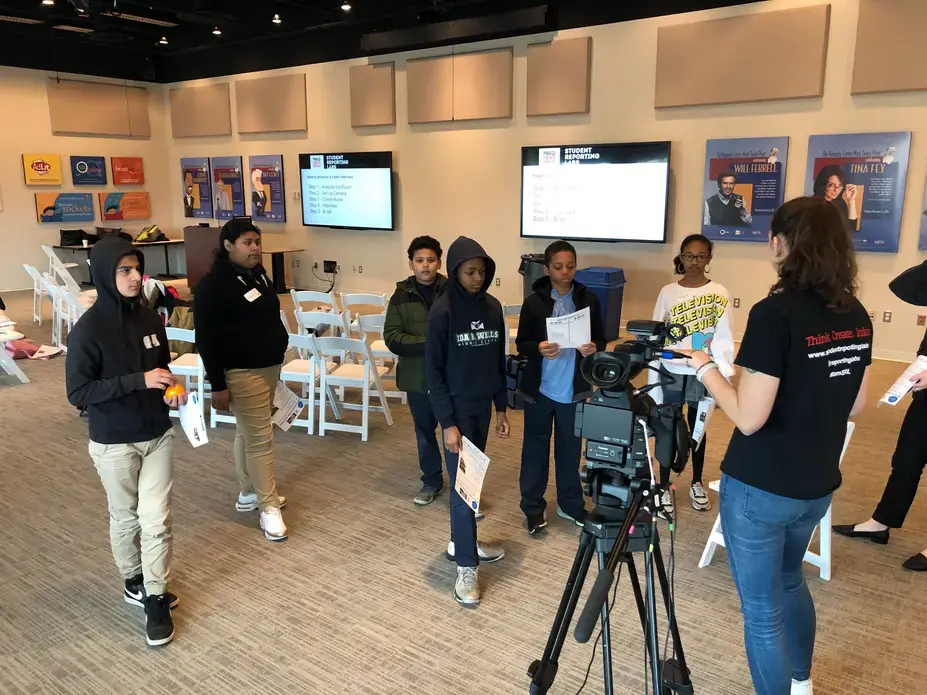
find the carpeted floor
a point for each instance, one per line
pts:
(358, 600)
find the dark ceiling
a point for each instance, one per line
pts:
(125, 38)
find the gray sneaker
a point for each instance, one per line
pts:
(467, 586)
(426, 495)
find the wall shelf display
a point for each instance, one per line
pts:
(863, 174)
(744, 184)
(196, 187)
(133, 205)
(88, 171)
(42, 170)
(127, 171)
(52, 208)
(227, 187)
(268, 194)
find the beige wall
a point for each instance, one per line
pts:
(463, 178)
(25, 126)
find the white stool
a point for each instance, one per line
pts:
(820, 560)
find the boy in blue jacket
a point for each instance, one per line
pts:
(465, 344)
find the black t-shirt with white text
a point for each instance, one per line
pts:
(819, 357)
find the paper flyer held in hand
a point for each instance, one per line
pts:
(472, 465)
(706, 407)
(570, 331)
(903, 384)
(287, 405)
(192, 420)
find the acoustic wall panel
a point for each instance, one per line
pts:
(373, 95)
(483, 85)
(889, 50)
(97, 108)
(430, 86)
(717, 61)
(559, 77)
(271, 104)
(201, 111)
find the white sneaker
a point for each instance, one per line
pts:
(699, 498)
(801, 687)
(467, 586)
(249, 503)
(272, 524)
(486, 552)
(667, 509)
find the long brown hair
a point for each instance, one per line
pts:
(820, 255)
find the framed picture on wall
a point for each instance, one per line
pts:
(227, 187)
(196, 187)
(52, 208)
(127, 171)
(744, 184)
(42, 170)
(88, 171)
(134, 205)
(268, 197)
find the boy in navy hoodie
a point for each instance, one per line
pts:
(465, 344)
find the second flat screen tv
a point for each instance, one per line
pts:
(608, 192)
(347, 190)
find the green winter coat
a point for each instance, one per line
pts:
(404, 332)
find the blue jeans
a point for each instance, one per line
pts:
(766, 538)
(429, 454)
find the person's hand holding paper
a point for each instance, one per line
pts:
(570, 331)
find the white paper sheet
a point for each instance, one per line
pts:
(903, 384)
(706, 407)
(570, 331)
(287, 406)
(192, 421)
(471, 471)
(45, 351)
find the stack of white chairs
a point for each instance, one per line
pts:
(305, 370)
(310, 300)
(189, 365)
(59, 269)
(363, 373)
(358, 299)
(371, 326)
(38, 291)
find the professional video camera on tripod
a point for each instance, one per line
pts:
(617, 423)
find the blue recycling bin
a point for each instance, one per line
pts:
(608, 285)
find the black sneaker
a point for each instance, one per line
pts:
(159, 626)
(426, 495)
(536, 522)
(134, 593)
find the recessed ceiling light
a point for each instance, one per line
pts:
(276, 19)
(346, 6)
(217, 31)
(163, 41)
(48, 2)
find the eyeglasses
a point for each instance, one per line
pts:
(700, 257)
(834, 186)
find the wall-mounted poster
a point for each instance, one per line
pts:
(922, 241)
(268, 199)
(197, 189)
(64, 207)
(864, 176)
(88, 171)
(127, 171)
(135, 205)
(42, 170)
(744, 184)
(228, 187)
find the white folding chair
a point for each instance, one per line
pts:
(322, 322)
(58, 268)
(362, 375)
(311, 300)
(510, 311)
(357, 299)
(68, 308)
(306, 371)
(7, 363)
(371, 326)
(821, 560)
(189, 365)
(38, 291)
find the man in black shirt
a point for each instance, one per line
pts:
(726, 208)
(404, 334)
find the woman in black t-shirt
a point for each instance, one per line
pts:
(805, 358)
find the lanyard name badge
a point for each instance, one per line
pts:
(251, 294)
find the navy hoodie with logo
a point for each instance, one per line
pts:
(109, 350)
(465, 344)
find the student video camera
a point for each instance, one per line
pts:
(618, 419)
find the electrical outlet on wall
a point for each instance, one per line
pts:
(921, 319)
(315, 266)
(498, 281)
(872, 315)
(360, 269)
(736, 302)
(886, 317)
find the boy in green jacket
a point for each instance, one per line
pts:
(404, 333)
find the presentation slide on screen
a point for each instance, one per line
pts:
(344, 190)
(593, 193)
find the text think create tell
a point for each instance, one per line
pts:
(824, 338)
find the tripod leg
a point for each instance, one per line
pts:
(544, 671)
(653, 643)
(606, 637)
(671, 616)
(642, 610)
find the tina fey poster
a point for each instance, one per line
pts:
(863, 175)
(743, 186)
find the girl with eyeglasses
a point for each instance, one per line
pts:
(703, 307)
(831, 185)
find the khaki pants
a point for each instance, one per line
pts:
(138, 479)
(252, 394)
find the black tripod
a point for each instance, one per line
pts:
(614, 541)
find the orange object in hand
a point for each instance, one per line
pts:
(175, 391)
